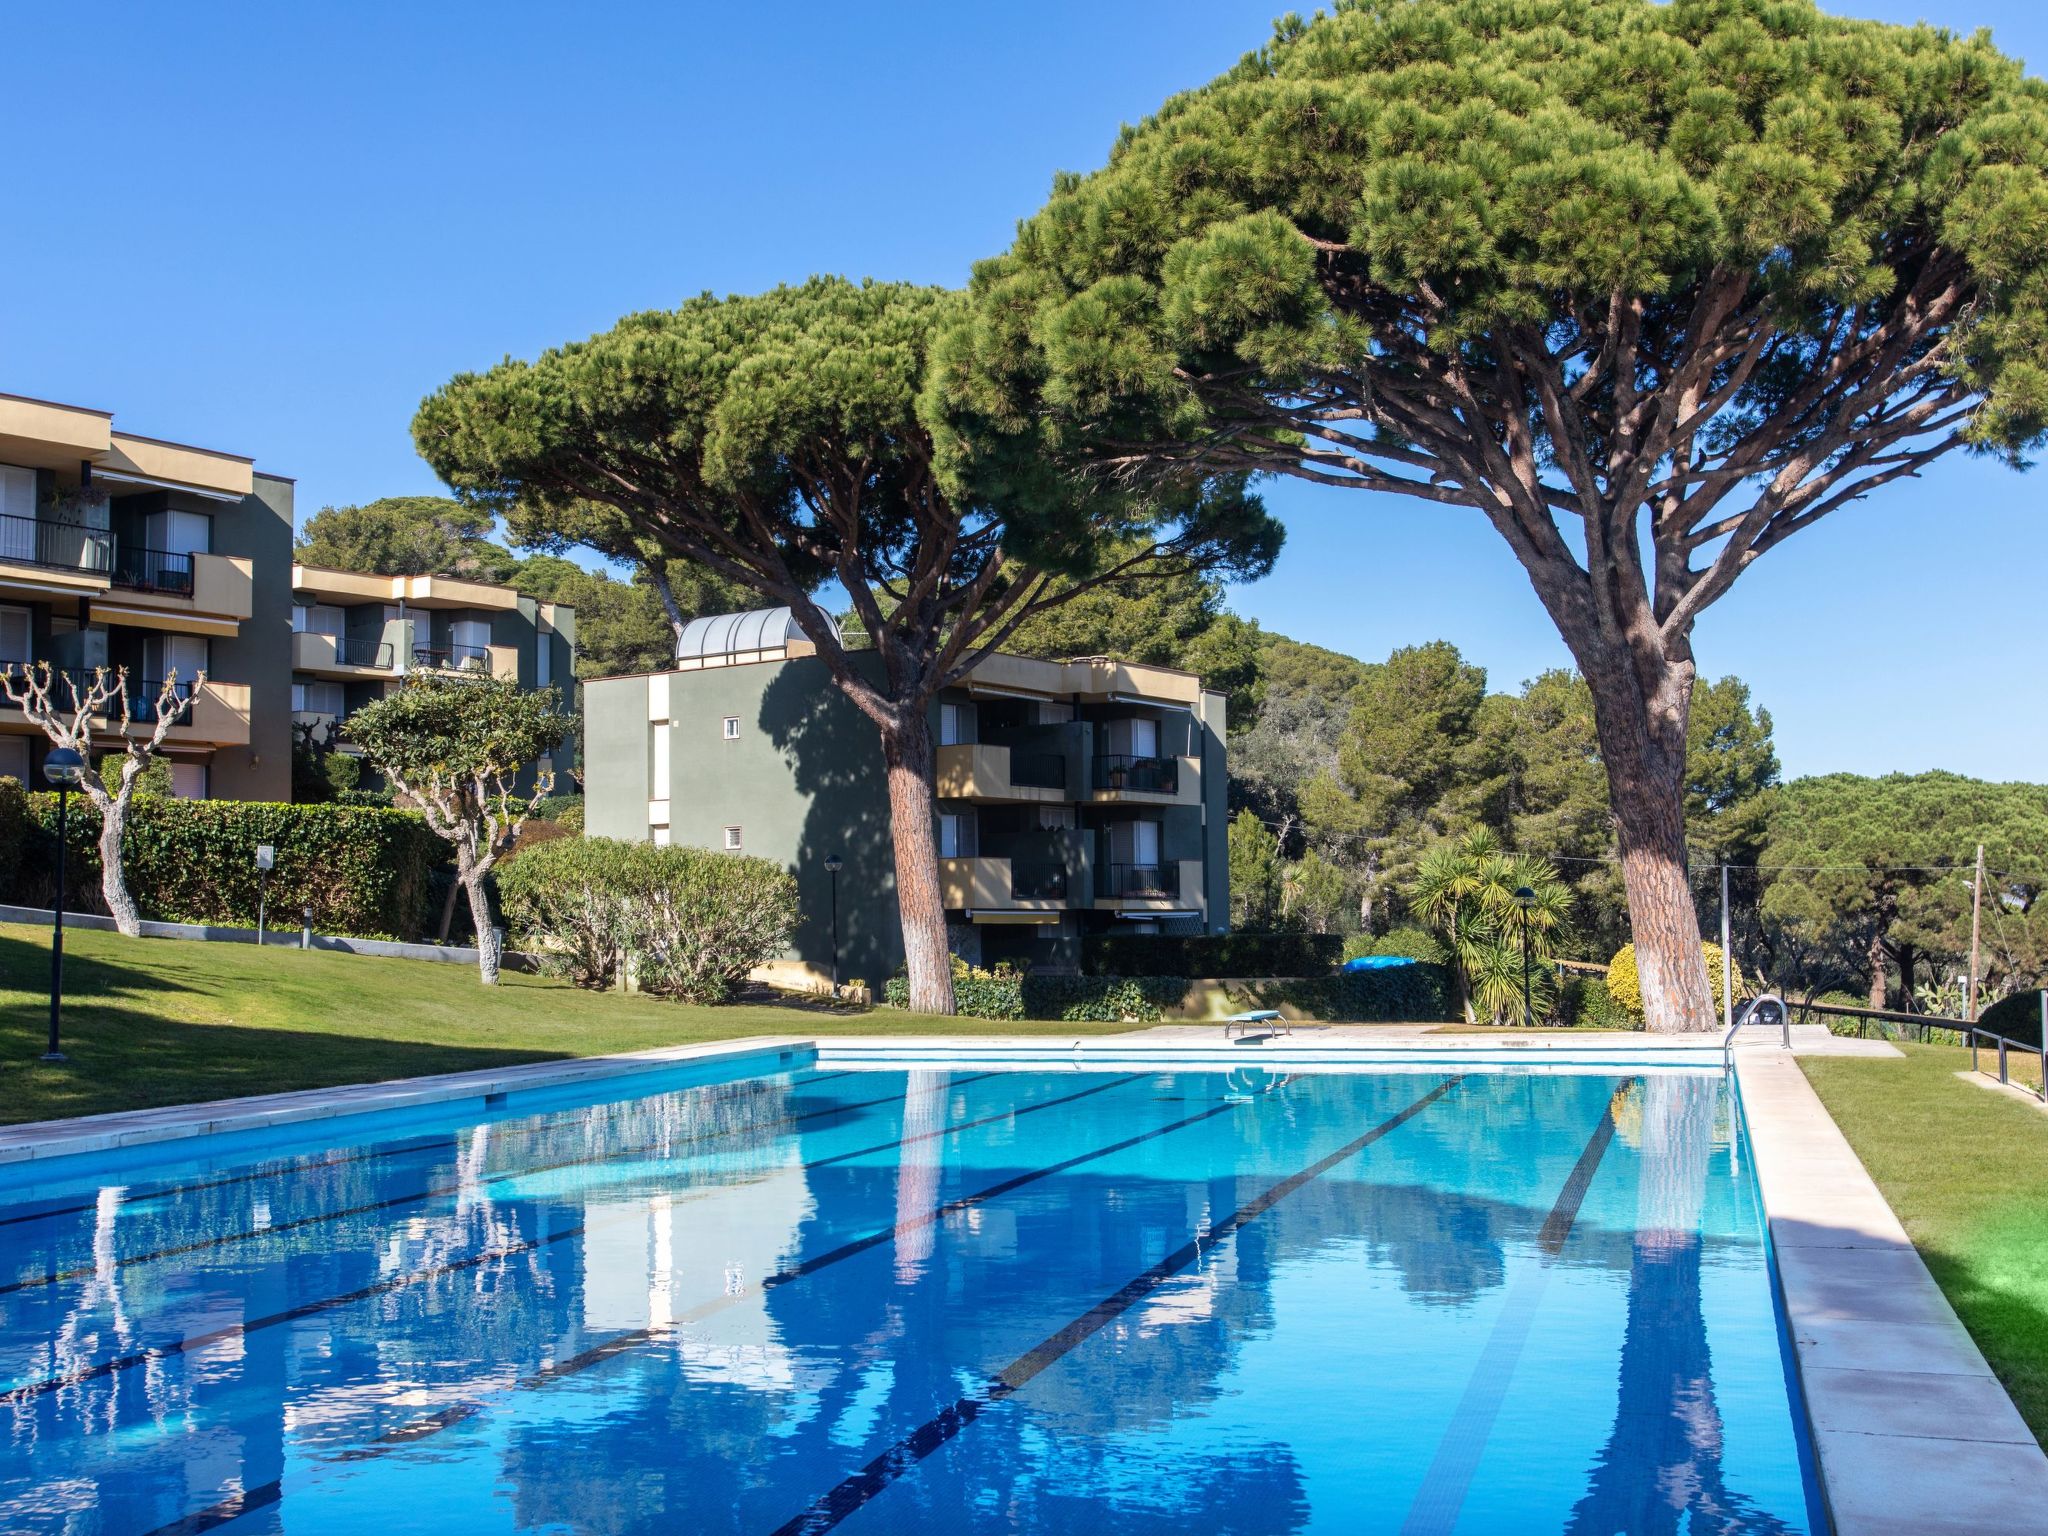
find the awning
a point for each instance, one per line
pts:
(178, 620)
(1031, 919)
(1154, 915)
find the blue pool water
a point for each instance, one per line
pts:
(918, 1301)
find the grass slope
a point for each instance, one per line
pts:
(169, 1021)
(1967, 1171)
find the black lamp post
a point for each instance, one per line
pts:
(1525, 899)
(266, 860)
(64, 768)
(833, 864)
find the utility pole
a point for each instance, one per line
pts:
(1976, 920)
(1727, 965)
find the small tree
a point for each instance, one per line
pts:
(33, 691)
(456, 748)
(1465, 890)
(1254, 873)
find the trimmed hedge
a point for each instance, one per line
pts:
(14, 821)
(1003, 993)
(1401, 994)
(1208, 955)
(367, 873)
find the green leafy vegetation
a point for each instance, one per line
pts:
(1967, 1171)
(1208, 955)
(1501, 916)
(149, 1022)
(682, 922)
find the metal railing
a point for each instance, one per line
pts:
(55, 546)
(452, 658)
(361, 650)
(2006, 1047)
(1038, 770)
(1767, 1010)
(1121, 881)
(1149, 775)
(153, 570)
(1038, 882)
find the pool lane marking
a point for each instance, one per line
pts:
(862, 1487)
(1441, 1497)
(29, 1391)
(623, 1343)
(207, 1244)
(214, 1516)
(293, 1169)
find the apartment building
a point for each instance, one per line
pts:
(354, 637)
(125, 551)
(1072, 795)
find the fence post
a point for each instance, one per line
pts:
(2001, 1060)
(2042, 1040)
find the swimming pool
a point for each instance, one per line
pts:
(921, 1298)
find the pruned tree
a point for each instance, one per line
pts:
(780, 442)
(102, 711)
(1650, 287)
(456, 747)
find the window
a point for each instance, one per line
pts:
(732, 839)
(1145, 843)
(469, 642)
(1144, 738)
(658, 770)
(14, 760)
(317, 619)
(179, 533)
(17, 634)
(311, 698)
(732, 727)
(188, 655)
(949, 725)
(17, 499)
(188, 780)
(949, 836)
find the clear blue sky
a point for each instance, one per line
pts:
(272, 228)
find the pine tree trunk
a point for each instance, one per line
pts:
(113, 878)
(1642, 742)
(1877, 976)
(907, 754)
(448, 911)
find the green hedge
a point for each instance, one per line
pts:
(1208, 955)
(1005, 994)
(1408, 943)
(14, 823)
(1583, 1001)
(364, 872)
(2017, 1017)
(1401, 994)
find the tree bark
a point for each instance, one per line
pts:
(113, 878)
(448, 912)
(908, 758)
(472, 876)
(1642, 744)
(1877, 976)
(658, 579)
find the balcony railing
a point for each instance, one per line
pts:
(56, 546)
(1149, 775)
(153, 570)
(143, 695)
(1139, 881)
(1038, 882)
(1038, 770)
(361, 651)
(452, 658)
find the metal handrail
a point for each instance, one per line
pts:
(153, 570)
(1038, 882)
(452, 658)
(1140, 880)
(1749, 1011)
(1148, 775)
(2004, 1046)
(55, 546)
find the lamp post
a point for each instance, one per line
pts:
(266, 857)
(1525, 899)
(833, 864)
(64, 768)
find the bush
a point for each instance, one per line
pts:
(1625, 986)
(363, 872)
(691, 923)
(1408, 943)
(2017, 1018)
(1210, 954)
(1400, 994)
(13, 831)
(1003, 993)
(979, 994)
(1583, 1001)
(562, 810)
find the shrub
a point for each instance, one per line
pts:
(1625, 986)
(1102, 999)
(13, 831)
(1211, 954)
(1408, 942)
(562, 810)
(1583, 1001)
(691, 922)
(363, 872)
(1399, 994)
(2017, 1018)
(979, 994)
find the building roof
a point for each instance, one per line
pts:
(734, 634)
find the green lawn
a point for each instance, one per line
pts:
(1966, 1168)
(168, 1021)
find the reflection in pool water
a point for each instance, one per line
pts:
(915, 1301)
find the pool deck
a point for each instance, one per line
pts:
(1914, 1434)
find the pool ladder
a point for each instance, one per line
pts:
(1760, 1010)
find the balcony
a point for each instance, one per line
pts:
(153, 570)
(1139, 882)
(64, 549)
(341, 655)
(453, 658)
(219, 717)
(1144, 780)
(981, 771)
(998, 885)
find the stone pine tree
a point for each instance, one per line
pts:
(1650, 287)
(779, 442)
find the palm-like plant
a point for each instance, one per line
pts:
(1465, 890)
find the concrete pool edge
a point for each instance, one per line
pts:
(1911, 1431)
(42, 1140)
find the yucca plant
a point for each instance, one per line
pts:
(1465, 891)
